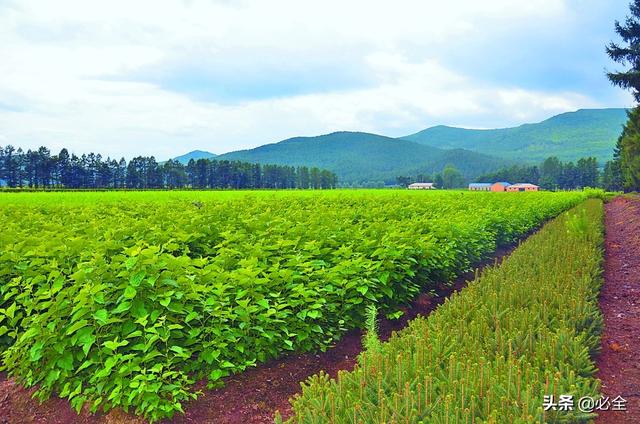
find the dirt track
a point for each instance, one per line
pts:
(619, 360)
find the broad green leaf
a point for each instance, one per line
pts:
(101, 316)
(130, 292)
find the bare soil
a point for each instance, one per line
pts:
(250, 397)
(619, 360)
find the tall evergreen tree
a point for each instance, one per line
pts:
(628, 53)
(314, 177)
(630, 152)
(570, 175)
(611, 176)
(550, 173)
(587, 172)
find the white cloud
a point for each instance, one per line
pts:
(66, 68)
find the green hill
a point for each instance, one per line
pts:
(360, 158)
(570, 136)
(195, 155)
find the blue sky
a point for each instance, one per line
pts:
(162, 78)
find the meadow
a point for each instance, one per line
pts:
(125, 299)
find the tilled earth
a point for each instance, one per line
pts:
(619, 360)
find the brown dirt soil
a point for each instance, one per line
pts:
(251, 397)
(619, 360)
(17, 406)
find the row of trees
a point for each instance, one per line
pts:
(40, 169)
(553, 174)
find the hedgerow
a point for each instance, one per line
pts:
(127, 303)
(522, 330)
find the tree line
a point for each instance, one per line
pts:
(40, 169)
(625, 167)
(551, 174)
(554, 174)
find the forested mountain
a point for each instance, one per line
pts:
(195, 155)
(568, 136)
(367, 159)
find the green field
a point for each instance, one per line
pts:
(126, 298)
(89, 198)
(519, 332)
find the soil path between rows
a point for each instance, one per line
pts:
(251, 397)
(619, 359)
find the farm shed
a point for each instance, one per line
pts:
(480, 186)
(523, 187)
(421, 186)
(500, 186)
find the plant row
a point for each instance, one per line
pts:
(520, 331)
(127, 303)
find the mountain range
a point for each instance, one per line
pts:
(360, 158)
(569, 136)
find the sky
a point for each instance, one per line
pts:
(162, 78)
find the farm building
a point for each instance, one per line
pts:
(523, 187)
(500, 186)
(421, 186)
(503, 186)
(480, 186)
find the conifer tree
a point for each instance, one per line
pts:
(628, 53)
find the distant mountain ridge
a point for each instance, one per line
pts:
(195, 155)
(360, 158)
(570, 136)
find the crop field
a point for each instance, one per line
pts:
(521, 331)
(126, 299)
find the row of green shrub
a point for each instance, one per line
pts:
(522, 330)
(127, 303)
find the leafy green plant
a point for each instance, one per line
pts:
(126, 299)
